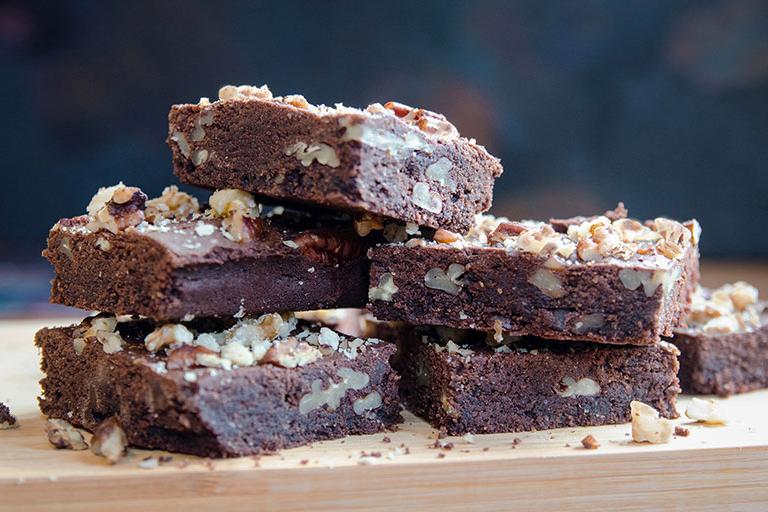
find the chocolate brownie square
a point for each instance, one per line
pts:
(724, 349)
(615, 281)
(215, 388)
(167, 258)
(459, 381)
(393, 161)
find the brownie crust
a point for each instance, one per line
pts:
(496, 293)
(534, 386)
(723, 364)
(218, 413)
(172, 272)
(376, 160)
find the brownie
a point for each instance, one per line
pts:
(193, 265)
(456, 381)
(218, 389)
(724, 350)
(602, 280)
(392, 161)
(7, 420)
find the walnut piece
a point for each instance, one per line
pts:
(116, 208)
(290, 353)
(570, 387)
(63, 435)
(590, 443)
(172, 204)
(548, 282)
(446, 280)
(385, 288)
(244, 92)
(424, 198)
(168, 334)
(429, 122)
(368, 223)
(705, 411)
(239, 211)
(109, 441)
(331, 396)
(319, 152)
(648, 426)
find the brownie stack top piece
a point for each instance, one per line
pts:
(166, 258)
(407, 164)
(607, 279)
(725, 346)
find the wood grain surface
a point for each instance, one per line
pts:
(713, 469)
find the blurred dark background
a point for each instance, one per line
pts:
(660, 104)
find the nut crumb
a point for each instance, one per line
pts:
(109, 441)
(63, 435)
(590, 443)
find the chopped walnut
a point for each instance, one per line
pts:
(116, 208)
(172, 204)
(62, 435)
(244, 92)
(647, 426)
(705, 411)
(385, 288)
(427, 121)
(103, 329)
(728, 309)
(109, 441)
(290, 353)
(168, 334)
(590, 443)
(446, 280)
(443, 236)
(239, 211)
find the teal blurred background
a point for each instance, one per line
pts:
(660, 104)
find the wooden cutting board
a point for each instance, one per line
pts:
(713, 469)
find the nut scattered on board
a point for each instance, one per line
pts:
(109, 441)
(590, 443)
(705, 411)
(62, 435)
(647, 426)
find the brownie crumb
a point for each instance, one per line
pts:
(7, 420)
(386, 439)
(441, 455)
(486, 449)
(304, 462)
(590, 443)
(682, 431)
(516, 441)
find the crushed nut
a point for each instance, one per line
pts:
(443, 236)
(172, 204)
(648, 426)
(318, 151)
(583, 387)
(705, 411)
(548, 282)
(290, 353)
(109, 441)
(424, 198)
(116, 208)
(63, 435)
(168, 334)
(590, 443)
(368, 223)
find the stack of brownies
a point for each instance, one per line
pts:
(499, 326)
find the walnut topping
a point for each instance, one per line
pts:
(109, 441)
(268, 339)
(505, 230)
(62, 435)
(239, 211)
(728, 309)
(116, 208)
(385, 289)
(290, 353)
(103, 329)
(316, 151)
(647, 426)
(244, 92)
(166, 335)
(570, 387)
(446, 280)
(172, 204)
(705, 411)
(427, 121)
(443, 236)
